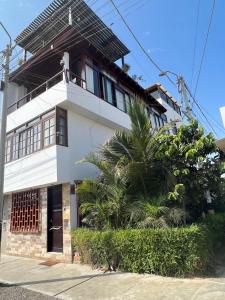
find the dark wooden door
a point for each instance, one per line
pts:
(55, 220)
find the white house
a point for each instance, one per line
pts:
(65, 101)
(173, 108)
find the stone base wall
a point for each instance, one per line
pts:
(35, 244)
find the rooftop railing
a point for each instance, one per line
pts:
(70, 76)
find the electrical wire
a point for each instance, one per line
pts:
(56, 21)
(199, 107)
(195, 42)
(75, 40)
(139, 44)
(52, 26)
(205, 46)
(133, 4)
(216, 123)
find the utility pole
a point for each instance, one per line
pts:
(184, 97)
(7, 53)
(183, 91)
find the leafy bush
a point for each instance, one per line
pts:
(182, 251)
(169, 251)
(215, 225)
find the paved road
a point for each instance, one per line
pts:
(78, 282)
(17, 293)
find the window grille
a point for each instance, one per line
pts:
(25, 212)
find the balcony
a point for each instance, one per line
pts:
(70, 92)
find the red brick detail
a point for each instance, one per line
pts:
(25, 212)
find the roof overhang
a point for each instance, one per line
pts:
(159, 86)
(88, 26)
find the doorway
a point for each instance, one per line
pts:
(55, 220)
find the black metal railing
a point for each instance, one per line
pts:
(36, 92)
(77, 80)
(70, 77)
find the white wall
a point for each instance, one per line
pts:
(37, 169)
(84, 136)
(58, 164)
(171, 114)
(47, 100)
(71, 97)
(91, 122)
(93, 107)
(16, 92)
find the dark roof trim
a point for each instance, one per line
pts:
(84, 21)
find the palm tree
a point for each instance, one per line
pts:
(130, 176)
(133, 153)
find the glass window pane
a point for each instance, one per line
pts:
(90, 79)
(109, 92)
(127, 101)
(61, 130)
(49, 131)
(8, 150)
(29, 139)
(120, 100)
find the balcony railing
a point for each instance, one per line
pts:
(36, 92)
(70, 76)
(77, 80)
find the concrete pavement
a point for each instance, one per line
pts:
(18, 293)
(67, 281)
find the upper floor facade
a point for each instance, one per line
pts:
(173, 108)
(64, 102)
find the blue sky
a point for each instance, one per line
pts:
(166, 28)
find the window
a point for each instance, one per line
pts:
(61, 127)
(25, 212)
(37, 134)
(120, 100)
(22, 144)
(30, 140)
(158, 120)
(37, 137)
(92, 80)
(109, 90)
(127, 101)
(49, 131)
(7, 149)
(15, 147)
(164, 97)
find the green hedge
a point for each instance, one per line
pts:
(215, 225)
(171, 251)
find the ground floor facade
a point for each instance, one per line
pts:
(38, 222)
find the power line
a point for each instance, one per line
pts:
(218, 125)
(195, 42)
(139, 44)
(158, 67)
(199, 107)
(82, 22)
(76, 40)
(205, 45)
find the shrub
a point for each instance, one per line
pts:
(215, 225)
(182, 251)
(170, 251)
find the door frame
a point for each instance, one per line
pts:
(50, 246)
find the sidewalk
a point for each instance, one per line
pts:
(67, 281)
